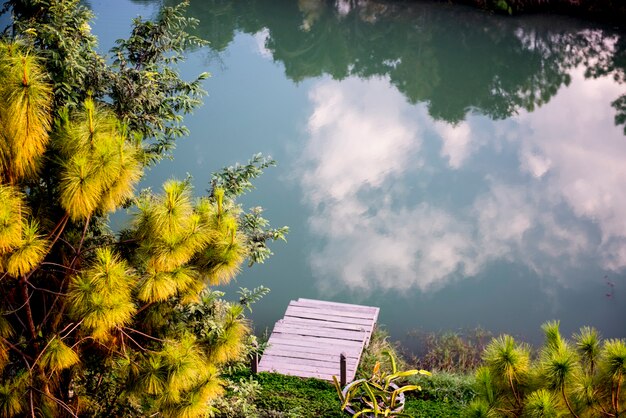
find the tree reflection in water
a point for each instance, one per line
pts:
(491, 65)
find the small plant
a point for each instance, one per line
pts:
(379, 395)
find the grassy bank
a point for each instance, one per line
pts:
(444, 394)
(273, 395)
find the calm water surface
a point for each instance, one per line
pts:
(454, 168)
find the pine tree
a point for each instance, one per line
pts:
(94, 323)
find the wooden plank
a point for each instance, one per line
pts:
(334, 312)
(335, 305)
(321, 332)
(296, 361)
(320, 376)
(327, 357)
(292, 320)
(328, 342)
(308, 350)
(272, 365)
(293, 311)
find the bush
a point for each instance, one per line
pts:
(581, 378)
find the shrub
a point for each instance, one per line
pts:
(580, 378)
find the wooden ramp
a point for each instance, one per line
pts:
(308, 341)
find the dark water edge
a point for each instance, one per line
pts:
(605, 11)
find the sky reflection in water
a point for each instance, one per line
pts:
(368, 175)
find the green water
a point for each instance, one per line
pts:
(455, 168)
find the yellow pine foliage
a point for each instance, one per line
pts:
(156, 286)
(106, 314)
(228, 346)
(4, 355)
(101, 296)
(194, 402)
(221, 260)
(5, 331)
(152, 375)
(192, 380)
(13, 399)
(25, 118)
(80, 187)
(185, 365)
(89, 128)
(156, 317)
(191, 293)
(613, 360)
(170, 229)
(57, 355)
(173, 213)
(168, 252)
(129, 173)
(12, 210)
(101, 166)
(29, 253)
(185, 278)
(109, 273)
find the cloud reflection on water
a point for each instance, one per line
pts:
(367, 176)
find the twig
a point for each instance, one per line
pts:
(131, 338)
(18, 351)
(18, 309)
(80, 244)
(59, 401)
(145, 335)
(32, 286)
(70, 331)
(48, 263)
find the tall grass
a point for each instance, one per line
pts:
(451, 352)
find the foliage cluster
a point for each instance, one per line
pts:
(580, 378)
(453, 352)
(94, 323)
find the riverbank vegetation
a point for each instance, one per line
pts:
(581, 377)
(273, 395)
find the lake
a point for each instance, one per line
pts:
(455, 168)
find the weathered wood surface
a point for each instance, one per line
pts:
(309, 340)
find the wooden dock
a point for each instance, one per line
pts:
(308, 341)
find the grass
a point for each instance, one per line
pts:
(297, 397)
(294, 397)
